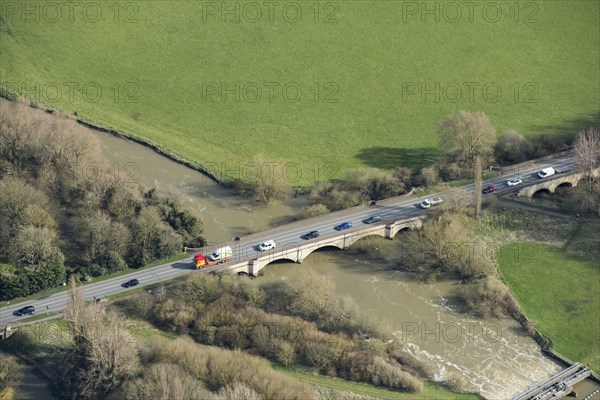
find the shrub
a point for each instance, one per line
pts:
(511, 148)
(96, 270)
(453, 171)
(382, 372)
(111, 261)
(201, 288)
(486, 298)
(456, 382)
(164, 381)
(237, 391)
(429, 176)
(313, 211)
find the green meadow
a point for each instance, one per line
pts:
(318, 86)
(560, 293)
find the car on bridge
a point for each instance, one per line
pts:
(268, 245)
(343, 225)
(130, 283)
(310, 235)
(427, 203)
(24, 311)
(514, 181)
(489, 189)
(546, 172)
(372, 220)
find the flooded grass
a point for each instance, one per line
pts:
(560, 293)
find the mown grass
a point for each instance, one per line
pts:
(164, 57)
(560, 293)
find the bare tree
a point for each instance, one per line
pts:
(587, 150)
(469, 136)
(587, 155)
(103, 353)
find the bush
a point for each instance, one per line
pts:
(453, 171)
(219, 369)
(96, 270)
(487, 298)
(429, 176)
(382, 372)
(111, 261)
(164, 381)
(512, 148)
(313, 211)
(29, 280)
(456, 382)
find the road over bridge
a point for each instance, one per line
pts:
(396, 214)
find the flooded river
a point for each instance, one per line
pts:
(495, 358)
(223, 214)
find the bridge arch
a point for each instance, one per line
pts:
(299, 250)
(312, 251)
(565, 185)
(542, 191)
(404, 229)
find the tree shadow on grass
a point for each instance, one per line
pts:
(569, 127)
(392, 157)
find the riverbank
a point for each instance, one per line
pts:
(33, 384)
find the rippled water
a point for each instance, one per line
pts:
(496, 359)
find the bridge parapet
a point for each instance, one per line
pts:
(552, 183)
(298, 251)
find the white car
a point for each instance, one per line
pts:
(514, 182)
(546, 172)
(268, 245)
(431, 202)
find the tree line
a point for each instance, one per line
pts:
(470, 143)
(57, 221)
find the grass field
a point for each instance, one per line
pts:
(560, 293)
(431, 390)
(363, 68)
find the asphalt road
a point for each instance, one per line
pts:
(286, 235)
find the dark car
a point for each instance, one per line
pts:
(489, 189)
(343, 225)
(311, 235)
(133, 282)
(372, 220)
(25, 310)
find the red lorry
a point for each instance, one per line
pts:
(219, 256)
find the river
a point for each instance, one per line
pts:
(495, 358)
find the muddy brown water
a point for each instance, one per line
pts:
(494, 357)
(224, 215)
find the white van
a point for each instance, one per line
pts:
(546, 172)
(222, 253)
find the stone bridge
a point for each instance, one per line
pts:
(298, 251)
(551, 184)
